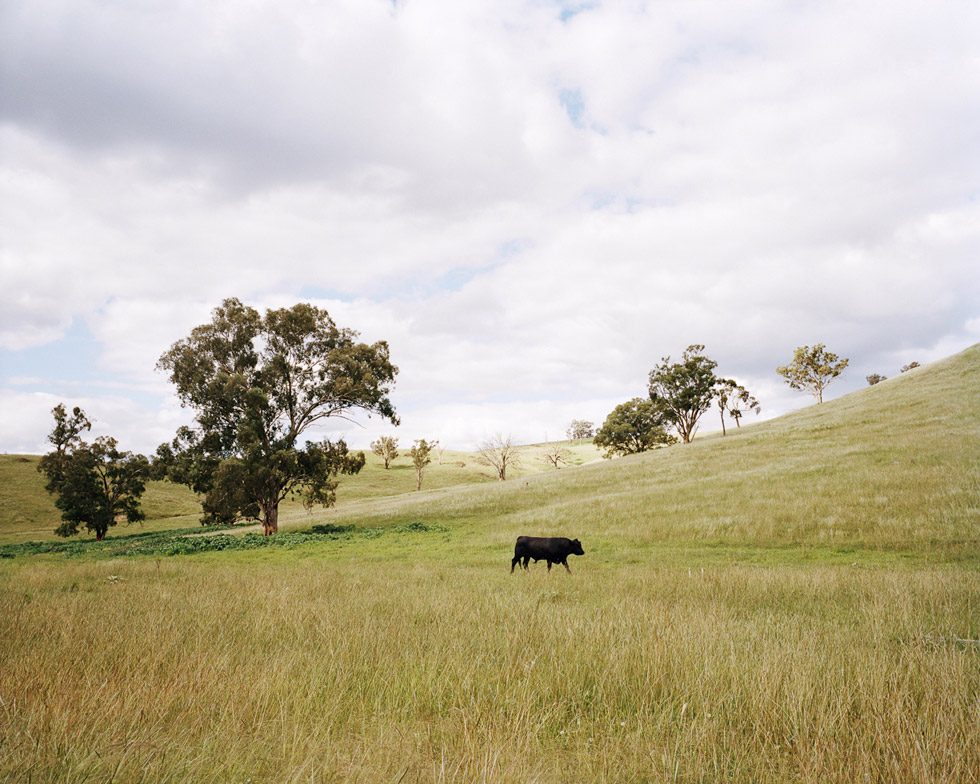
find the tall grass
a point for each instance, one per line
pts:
(397, 667)
(796, 602)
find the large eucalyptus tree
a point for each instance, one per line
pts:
(259, 382)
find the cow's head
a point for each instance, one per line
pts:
(577, 547)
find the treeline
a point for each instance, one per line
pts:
(257, 382)
(680, 393)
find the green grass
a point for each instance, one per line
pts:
(28, 513)
(799, 601)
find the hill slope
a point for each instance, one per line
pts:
(27, 512)
(895, 466)
(756, 608)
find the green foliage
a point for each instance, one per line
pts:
(187, 541)
(579, 429)
(421, 457)
(736, 400)
(257, 383)
(386, 447)
(634, 426)
(684, 390)
(93, 484)
(812, 369)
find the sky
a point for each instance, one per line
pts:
(532, 201)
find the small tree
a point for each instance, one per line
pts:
(741, 401)
(812, 369)
(556, 454)
(874, 378)
(386, 448)
(421, 454)
(93, 484)
(684, 390)
(635, 426)
(580, 428)
(908, 367)
(724, 389)
(500, 454)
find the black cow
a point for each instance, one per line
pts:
(553, 549)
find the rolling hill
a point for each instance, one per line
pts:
(796, 601)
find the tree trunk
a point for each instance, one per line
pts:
(270, 517)
(723, 424)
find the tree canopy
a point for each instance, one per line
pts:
(812, 369)
(684, 390)
(421, 454)
(93, 484)
(386, 447)
(256, 384)
(634, 426)
(579, 429)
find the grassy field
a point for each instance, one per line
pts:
(799, 601)
(28, 513)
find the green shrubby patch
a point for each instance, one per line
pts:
(189, 541)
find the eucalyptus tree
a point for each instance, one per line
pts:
(740, 402)
(421, 454)
(637, 425)
(812, 369)
(93, 484)
(257, 383)
(500, 454)
(386, 447)
(684, 390)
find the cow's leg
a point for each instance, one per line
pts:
(514, 563)
(526, 559)
(549, 565)
(564, 562)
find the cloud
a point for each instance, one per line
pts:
(532, 202)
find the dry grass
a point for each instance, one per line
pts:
(396, 667)
(799, 602)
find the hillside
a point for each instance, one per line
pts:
(27, 512)
(891, 467)
(796, 602)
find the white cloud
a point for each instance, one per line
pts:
(750, 176)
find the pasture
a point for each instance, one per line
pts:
(798, 601)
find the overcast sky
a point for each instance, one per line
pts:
(532, 202)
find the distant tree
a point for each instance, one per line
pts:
(724, 389)
(498, 453)
(875, 378)
(908, 367)
(257, 383)
(555, 454)
(635, 426)
(421, 454)
(386, 448)
(812, 369)
(580, 428)
(740, 402)
(93, 484)
(684, 390)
